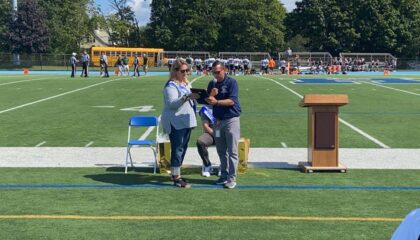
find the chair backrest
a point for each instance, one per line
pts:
(143, 121)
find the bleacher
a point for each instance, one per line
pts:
(368, 61)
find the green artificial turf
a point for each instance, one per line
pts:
(69, 112)
(394, 204)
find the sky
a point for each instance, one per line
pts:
(142, 8)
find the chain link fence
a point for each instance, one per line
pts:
(36, 62)
(61, 62)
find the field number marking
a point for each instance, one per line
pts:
(147, 108)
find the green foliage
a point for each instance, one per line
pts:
(29, 32)
(68, 22)
(217, 25)
(122, 25)
(357, 26)
(5, 8)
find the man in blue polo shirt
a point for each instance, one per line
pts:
(224, 96)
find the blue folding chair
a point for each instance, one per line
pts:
(142, 121)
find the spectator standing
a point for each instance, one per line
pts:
(289, 54)
(146, 64)
(136, 64)
(126, 68)
(105, 64)
(85, 64)
(119, 65)
(73, 61)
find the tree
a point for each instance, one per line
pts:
(252, 25)
(29, 32)
(68, 22)
(122, 26)
(357, 26)
(5, 8)
(217, 25)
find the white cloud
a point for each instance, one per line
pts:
(289, 4)
(142, 10)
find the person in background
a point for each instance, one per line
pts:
(73, 61)
(190, 61)
(271, 65)
(119, 65)
(104, 59)
(178, 117)
(224, 97)
(289, 54)
(145, 64)
(170, 63)
(85, 64)
(206, 140)
(282, 66)
(126, 68)
(136, 64)
(102, 66)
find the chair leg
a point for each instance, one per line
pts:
(128, 155)
(126, 160)
(131, 159)
(155, 163)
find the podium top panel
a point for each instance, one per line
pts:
(310, 100)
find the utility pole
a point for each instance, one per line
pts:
(16, 58)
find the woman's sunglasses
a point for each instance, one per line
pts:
(183, 70)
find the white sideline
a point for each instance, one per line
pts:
(353, 158)
(358, 130)
(395, 89)
(40, 144)
(29, 80)
(56, 96)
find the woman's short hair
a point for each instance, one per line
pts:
(178, 63)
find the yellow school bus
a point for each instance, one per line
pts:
(113, 52)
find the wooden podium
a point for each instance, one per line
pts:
(323, 135)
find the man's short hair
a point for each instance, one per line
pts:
(217, 62)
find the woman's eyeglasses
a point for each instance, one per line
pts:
(184, 70)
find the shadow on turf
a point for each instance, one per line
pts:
(138, 176)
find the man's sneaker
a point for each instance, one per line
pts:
(221, 181)
(181, 183)
(205, 171)
(230, 184)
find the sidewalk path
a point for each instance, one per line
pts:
(258, 157)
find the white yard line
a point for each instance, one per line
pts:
(89, 144)
(150, 129)
(395, 89)
(40, 144)
(55, 96)
(361, 132)
(29, 80)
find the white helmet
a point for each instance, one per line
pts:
(74, 54)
